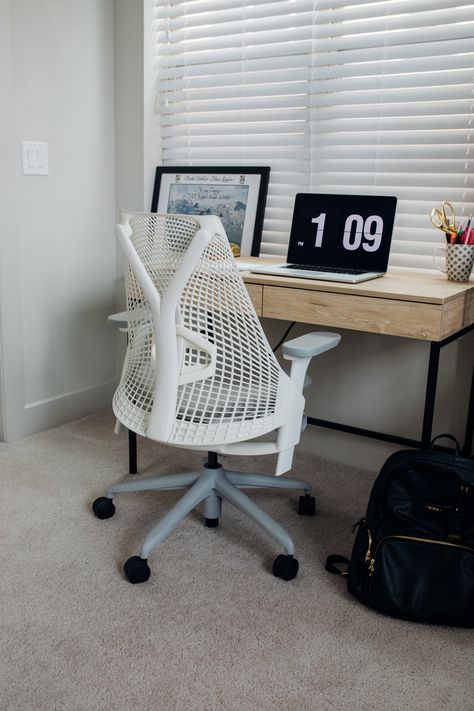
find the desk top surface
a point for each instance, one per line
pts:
(399, 283)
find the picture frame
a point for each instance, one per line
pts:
(237, 194)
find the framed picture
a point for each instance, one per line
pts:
(237, 195)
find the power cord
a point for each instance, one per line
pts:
(283, 337)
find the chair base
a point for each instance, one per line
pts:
(209, 486)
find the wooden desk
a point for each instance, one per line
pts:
(410, 303)
(406, 302)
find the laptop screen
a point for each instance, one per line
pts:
(342, 231)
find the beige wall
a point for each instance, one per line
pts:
(10, 373)
(57, 249)
(129, 107)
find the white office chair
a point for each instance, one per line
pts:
(200, 374)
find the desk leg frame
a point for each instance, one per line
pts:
(428, 414)
(430, 394)
(132, 452)
(467, 449)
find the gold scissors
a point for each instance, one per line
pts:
(441, 220)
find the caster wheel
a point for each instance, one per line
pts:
(136, 570)
(307, 505)
(211, 522)
(103, 507)
(285, 567)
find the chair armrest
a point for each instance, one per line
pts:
(299, 351)
(309, 345)
(121, 319)
(308, 381)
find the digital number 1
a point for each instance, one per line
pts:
(319, 221)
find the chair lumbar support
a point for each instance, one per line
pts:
(208, 487)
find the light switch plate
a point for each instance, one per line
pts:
(34, 157)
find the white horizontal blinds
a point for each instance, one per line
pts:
(233, 89)
(336, 96)
(392, 110)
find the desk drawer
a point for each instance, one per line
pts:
(256, 296)
(359, 313)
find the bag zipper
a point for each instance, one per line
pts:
(368, 554)
(371, 561)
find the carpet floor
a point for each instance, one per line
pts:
(212, 629)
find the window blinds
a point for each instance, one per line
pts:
(336, 96)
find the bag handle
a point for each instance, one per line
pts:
(332, 561)
(447, 436)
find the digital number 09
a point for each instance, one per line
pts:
(372, 239)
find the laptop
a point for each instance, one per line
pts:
(337, 238)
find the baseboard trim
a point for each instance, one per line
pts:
(51, 412)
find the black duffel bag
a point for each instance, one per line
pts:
(413, 555)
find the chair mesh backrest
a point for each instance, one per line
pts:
(247, 392)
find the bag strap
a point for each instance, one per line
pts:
(447, 436)
(332, 561)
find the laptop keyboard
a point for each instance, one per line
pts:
(330, 270)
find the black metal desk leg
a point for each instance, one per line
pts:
(132, 452)
(430, 396)
(467, 448)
